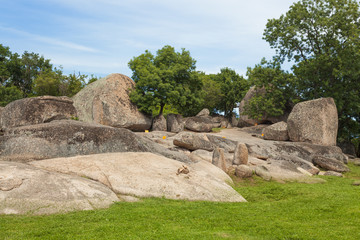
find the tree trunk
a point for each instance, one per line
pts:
(161, 109)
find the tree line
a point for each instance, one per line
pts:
(31, 75)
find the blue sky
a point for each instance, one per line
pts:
(101, 36)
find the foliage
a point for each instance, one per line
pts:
(47, 83)
(273, 211)
(211, 92)
(322, 38)
(73, 83)
(5, 55)
(9, 94)
(167, 78)
(233, 88)
(168, 109)
(274, 90)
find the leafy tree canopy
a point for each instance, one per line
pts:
(322, 38)
(275, 93)
(167, 78)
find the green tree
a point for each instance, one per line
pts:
(5, 56)
(72, 84)
(211, 92)
(322, 38)
(167, 78)
(9, 94)
(47, 83)
(275, 92)
(233, 88)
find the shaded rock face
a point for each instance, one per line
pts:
(330, 164)
(246, 121)
(314, 121)
(25, 189)
(29, 111)
(69, 138)
(159, 123)
(148, 175)
(175, 123)
(106, 101)
(276, 132)
(219, 159)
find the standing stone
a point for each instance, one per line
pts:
(203, 113)
(175, 123)
(314, 121)
(276, 132)
(107, 102)
(29, 111)
(159, 123)
(241, 154)
(243, 171)
(219, 159)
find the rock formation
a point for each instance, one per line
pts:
(29, 111)
(276, 132)
(106, 101)
(314, 121)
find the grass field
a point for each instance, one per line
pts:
(273, 211)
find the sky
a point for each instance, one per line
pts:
(100, 37)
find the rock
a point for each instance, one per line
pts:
(29, 111)
(159, 123)
(70, 138)
(175, 123)
(246, 121)
(299, 162)
(25, 189)
(201, 154)
(220, 121)
(243, 171)
(148, 175)
(227, 144)
(219, 159)
(314, 121)
(234, 122)
(332, 173)
(193, 141)
(203, 113)
(241, 154)
(356, 183)
(357, 162)
(106, 101)
(263, 172)
(199, 124)
(276, 132)
(330, 164)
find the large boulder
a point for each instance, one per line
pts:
(246, 121)
(29, 111)
(106, 101)
(276, 132)
(25, 189)
(200, 124)
(67, 138)
(149, 175)
(314, 121)
(193, 141)
(175, 123)
(159, 123)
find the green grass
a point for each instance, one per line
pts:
(273, 211)
(216, 130)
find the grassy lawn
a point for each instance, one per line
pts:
(274, 211)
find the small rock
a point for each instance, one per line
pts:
(183, 170)
(243, 171)
(276, 132)
(241, 154)
(159, 123)
(332, 173)
(203, 113)
(356, 183)
(175, 123)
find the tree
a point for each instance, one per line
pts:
(47, 83)
(5, 55)
(322, 38)
(211, 92)
(9, 94)
(167, 78)
(275, 93)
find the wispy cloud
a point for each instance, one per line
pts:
(50, 41)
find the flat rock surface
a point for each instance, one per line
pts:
(25, 189)
(148, 175)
